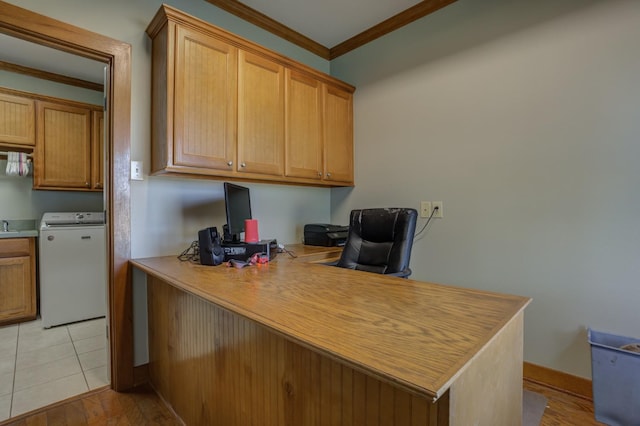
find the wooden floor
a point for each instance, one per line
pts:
(143, 407)
(564, 409)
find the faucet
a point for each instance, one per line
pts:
(5, 226)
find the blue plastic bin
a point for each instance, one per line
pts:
(615, 379)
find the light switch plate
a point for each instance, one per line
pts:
(425, 208)
(136, 170)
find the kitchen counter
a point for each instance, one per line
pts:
(20, 228)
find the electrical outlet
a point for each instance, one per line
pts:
(425, 208)
(440, 211)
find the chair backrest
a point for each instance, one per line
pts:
(380, 241)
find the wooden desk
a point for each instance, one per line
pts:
(292, 343)
(311, 254)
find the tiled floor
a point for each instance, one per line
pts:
(39, 367)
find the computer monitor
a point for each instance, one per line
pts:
(238, 208)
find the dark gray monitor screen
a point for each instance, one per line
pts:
(238, 207)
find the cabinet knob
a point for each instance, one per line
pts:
(320, 174)
(87, 184)
(328, 175)
(243, 165)
(229, 163)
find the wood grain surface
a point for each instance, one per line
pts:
(215, 367)
(414, 335)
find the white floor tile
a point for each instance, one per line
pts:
(5, 407)
(7, 364)
(6, 384)
(90, 344)
(45, 373)
(97, 377)
(86, 329)
(37, 323)
(39, 366)
(93, 359)
(8, 342)
(38, 339)
(8, 332)
(31, 359)
(48, 393)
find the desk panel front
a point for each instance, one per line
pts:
(295, 343)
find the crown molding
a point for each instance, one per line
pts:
(403, 18)
(45, 75)
(397, 21)
(263, 21)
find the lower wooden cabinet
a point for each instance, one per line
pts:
(17, 280)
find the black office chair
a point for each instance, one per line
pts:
(380, 241)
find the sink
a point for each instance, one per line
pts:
(19, 228)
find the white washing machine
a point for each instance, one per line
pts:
(73, 267)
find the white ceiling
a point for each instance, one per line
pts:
(330, 22)
(32, 55)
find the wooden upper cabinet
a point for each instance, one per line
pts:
(225, 107)
(17, 120)
(338, 135)
(303, 126)
(63, 148)
(97, 150)
(260, 115)
(205, 101)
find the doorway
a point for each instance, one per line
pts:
(40, 29)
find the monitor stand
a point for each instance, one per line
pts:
(227, 237)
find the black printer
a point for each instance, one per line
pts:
(323, 234)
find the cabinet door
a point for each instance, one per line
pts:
(17, 299)
(205, 107)
(17, 120)
(303, 126)
(97, 150)
(338, 135)
(260, 115)
(63, 149)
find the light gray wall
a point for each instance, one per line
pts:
(166, 213)
(521, 116)
(524, 119)
(20, 201)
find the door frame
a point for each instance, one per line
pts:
(24, 24)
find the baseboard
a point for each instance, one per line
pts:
(574, 385)
(140, 375)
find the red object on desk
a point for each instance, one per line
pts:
(251, 231)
